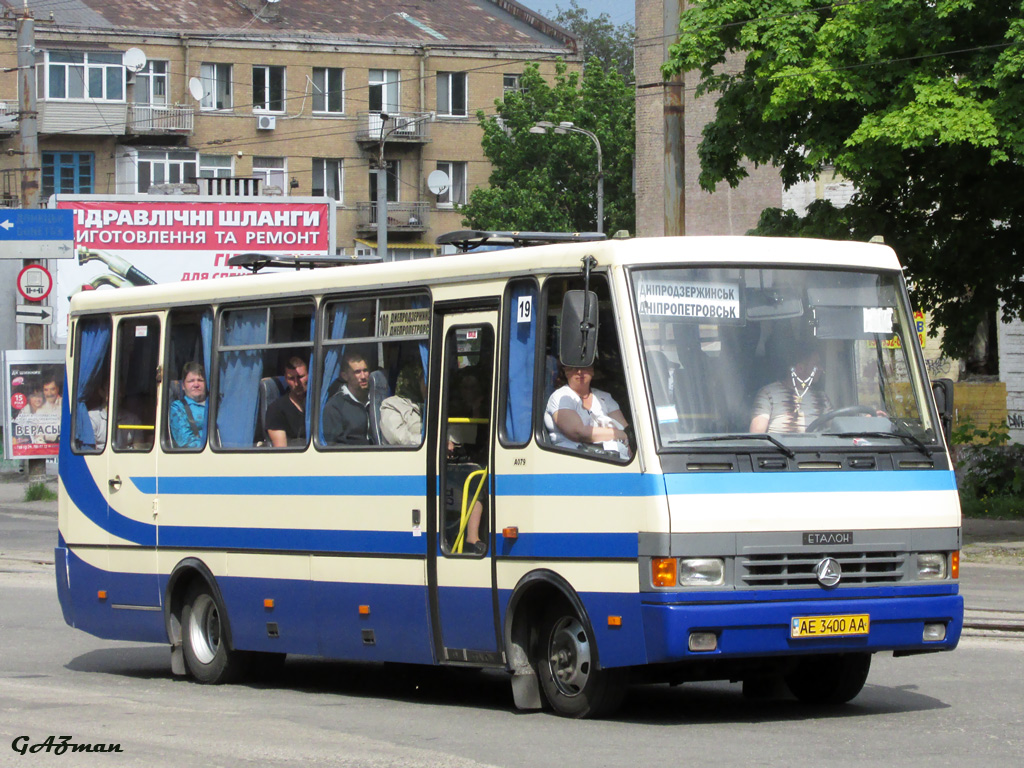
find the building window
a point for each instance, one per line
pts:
(510, 84)
(328, 176)
(151, 84)
(84, 75)
(215, 166)
(67, 172)
(384, 90)
(451, 94)
(157, 166)
(267, 89)
(329, 90)
(273, 171)
(394, 174)
(456, 193)
(216, 79)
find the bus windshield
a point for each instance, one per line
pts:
(782, 357)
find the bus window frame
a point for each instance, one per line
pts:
(113, 405)
(213, 382)
(324, 343)
(503, 347)
(75, 383)
(166, 441)
(541, 397)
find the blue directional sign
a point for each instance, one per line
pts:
(36, 233)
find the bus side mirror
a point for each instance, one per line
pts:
(578, 343)
(942, 390)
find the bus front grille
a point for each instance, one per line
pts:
(797, 569)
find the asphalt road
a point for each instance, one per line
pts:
(961, 708)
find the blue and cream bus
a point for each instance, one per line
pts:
(697, 535)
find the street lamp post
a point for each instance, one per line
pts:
(564, 127)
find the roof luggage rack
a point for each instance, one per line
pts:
(469, 239)
(254, 262)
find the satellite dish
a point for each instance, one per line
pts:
(134, 60)
(438, 182)
(195, 87)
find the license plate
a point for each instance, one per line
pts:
(830, 626)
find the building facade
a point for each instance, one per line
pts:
(286, 97)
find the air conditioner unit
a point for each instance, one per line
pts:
(266, 122)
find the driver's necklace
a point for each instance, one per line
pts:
(798, 394)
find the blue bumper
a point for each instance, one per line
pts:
(762, 627)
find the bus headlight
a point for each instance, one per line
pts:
(701, 572)
(931, 565)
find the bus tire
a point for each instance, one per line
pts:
(829, 679)
(204, 638)
(572, 683)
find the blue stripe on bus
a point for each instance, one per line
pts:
(286, 485)
(811, 482)
(611, 484)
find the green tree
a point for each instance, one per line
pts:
(549, 182)
(612, 45)
(919, 104)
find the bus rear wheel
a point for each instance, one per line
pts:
(204, 639)
(569, 677)
(829, 679)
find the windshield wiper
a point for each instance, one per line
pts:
(907, 437)
(745, 436)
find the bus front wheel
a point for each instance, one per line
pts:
(204, 638)
(829, 679)
(569, 677)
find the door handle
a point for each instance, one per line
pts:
(114, 483)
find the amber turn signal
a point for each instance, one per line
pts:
(954, 565)
(663, 571)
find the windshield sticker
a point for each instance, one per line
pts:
(667, 414)
(700, 301)
(878, 320)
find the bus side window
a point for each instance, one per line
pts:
(187, 377)
(519, 361)
(138, 354)
(585, 410)
(91, 385)
(373, 385)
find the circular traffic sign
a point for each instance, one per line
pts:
(35, 282)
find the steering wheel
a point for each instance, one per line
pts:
(850, 410)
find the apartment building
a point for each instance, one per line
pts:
(273, 97)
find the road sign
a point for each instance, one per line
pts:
(35, 282)
(36, 314)
(37, 233)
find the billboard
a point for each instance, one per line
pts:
(128, 240)
(34, 392)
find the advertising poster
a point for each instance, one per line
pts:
(131, 240)
(34, 390)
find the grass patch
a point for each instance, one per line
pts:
(1002, 507)
(40, 492)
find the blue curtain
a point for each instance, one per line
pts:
(332, 359)
(240, 374)
(309, 374)
(206, 330)
(521, 356)
(93, 351)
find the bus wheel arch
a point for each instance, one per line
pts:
(192, 585)
(544, 617)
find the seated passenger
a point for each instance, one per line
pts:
(456, 477)
(188, 415)
(286, 416)
(401, 415)
(791, 404)
(345, 418)
(577, 414)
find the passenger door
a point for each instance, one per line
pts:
(131, 483)
(460, 571)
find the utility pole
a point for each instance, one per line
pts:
(675, 131)
(382, 194)
(28, 129)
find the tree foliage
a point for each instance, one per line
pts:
(919, 104)
(599, 37)
(549, 182)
